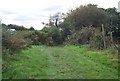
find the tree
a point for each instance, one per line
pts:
(86, 16)
(31, 28)
(113, 16)
(16, 27)
(56, 18)
(114, 26)
(65, 29)
(53, 33)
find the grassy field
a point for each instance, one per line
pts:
(65, 62)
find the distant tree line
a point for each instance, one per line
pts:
(17, 27)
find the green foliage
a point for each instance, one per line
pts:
(16, 27)
(33, 37)
(97, 41)
(114, 22)
(17, 42)
(13, 42)
(54, 33)
(47, 36)
(65, 29)
(39, 37)
(86, 16)
(5, 39)
(31, 28)
(80, 37)
(55, 20)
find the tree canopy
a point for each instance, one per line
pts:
(85, 16)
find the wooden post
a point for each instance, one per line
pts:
(111, 36)
(103, 32)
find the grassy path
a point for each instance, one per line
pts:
(68, 62)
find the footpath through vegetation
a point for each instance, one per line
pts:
(65, 62)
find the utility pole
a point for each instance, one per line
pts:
(103, 32)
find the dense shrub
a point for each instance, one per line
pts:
(80, 37)
(5, 40)
(54, 35)
(47, 36)
(37, 37)
(13, 42)
(89, 35)
(17, 43)
(34, 38)
(97, 40)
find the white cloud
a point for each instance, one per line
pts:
(33, 12)
(52, 8)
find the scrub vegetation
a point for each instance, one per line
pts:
(83, 43)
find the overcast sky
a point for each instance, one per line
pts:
(32, 12)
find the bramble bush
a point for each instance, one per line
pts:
(17, 43)
(13, 42)
(80, 37)
(54, 34)
(97, 40)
